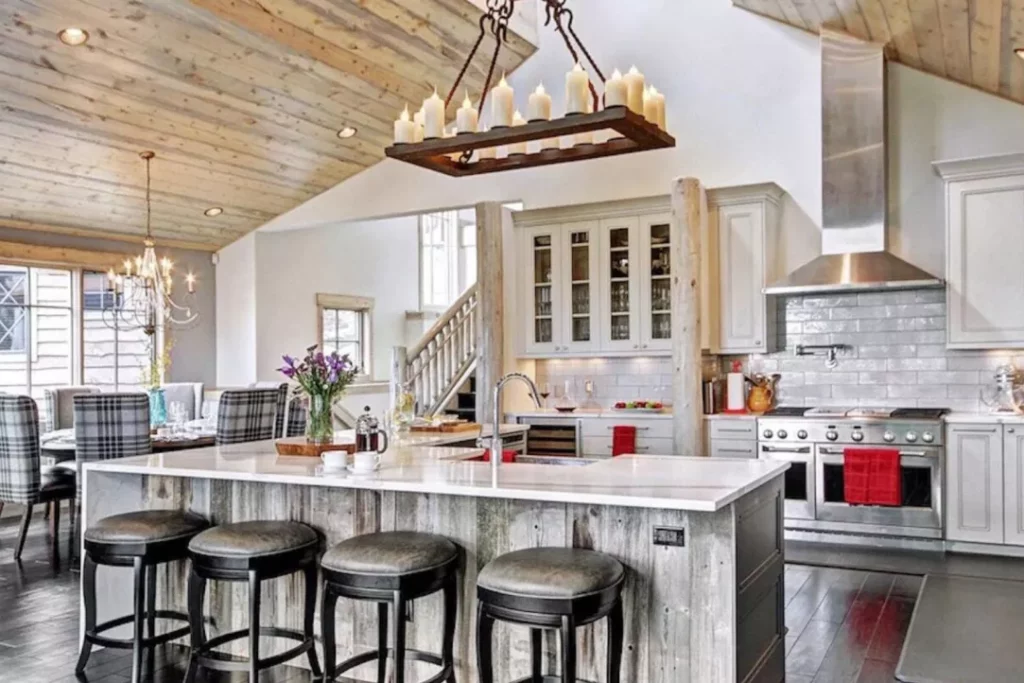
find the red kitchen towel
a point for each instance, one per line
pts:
(871, 476)
(506, 456)
(885, 487)
(857, 476)
(623, 440)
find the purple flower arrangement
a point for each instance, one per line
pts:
(324, 376)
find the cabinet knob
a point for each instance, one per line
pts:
(757, 342)
(1010, 430)
(636, 346)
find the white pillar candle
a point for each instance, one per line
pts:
(467, 118)
(635, 90)
(405, 128)
(659, 107)
(433, 116)
(485, 152)
(502, 104)
(539, 106)
(616, 93)
(417, 119)
(650, 107)
(519, 147)
(577, 90)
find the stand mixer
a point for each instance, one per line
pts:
(1005, 395)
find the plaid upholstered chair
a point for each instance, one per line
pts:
(111, 426)
(190, 394)
(246, 415)
(296, 412)
(59, 403)
(21, 480)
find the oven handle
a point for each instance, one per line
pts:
(911, 454)
(783, 449)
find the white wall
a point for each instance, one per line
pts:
(236, 313)
(377, 259)
(744, 104)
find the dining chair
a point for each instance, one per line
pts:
(22, 480)
(60, 405)
(246, 415)
(296, 404)
(190, 394)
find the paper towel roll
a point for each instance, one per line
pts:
(735, 401)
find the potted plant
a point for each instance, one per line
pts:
(323, 379)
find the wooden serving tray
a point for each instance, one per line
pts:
(446, 427)
(297, 445)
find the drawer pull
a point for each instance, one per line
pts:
(734, 450)
(735, 430)
(975, 430)
(637, 449)
(639, 429)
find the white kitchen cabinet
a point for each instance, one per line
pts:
(746, 223)
(653, 435)
(1013, 477)
(974, 483)
(984, 200)
(731, 437)
(542, 307)
(579, 276)
(620, 298)
(656, 282)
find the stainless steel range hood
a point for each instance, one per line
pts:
(853, 173)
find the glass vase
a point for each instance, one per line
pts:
(319, 421)
(157, 407)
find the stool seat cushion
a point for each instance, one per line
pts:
(146, 526)
(390, 553)
(253, 539)
(551, 573)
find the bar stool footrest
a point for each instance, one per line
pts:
(546, 679)
(95, 638)
(415, 655)
(206, 655)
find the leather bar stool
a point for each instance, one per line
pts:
(251, 552)
(550, 588)
(141, 540)
(391, 568)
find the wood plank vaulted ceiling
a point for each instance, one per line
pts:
(240, 99)
(968, 41)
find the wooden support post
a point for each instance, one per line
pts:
(490, 314)
(397, 380)
(689, 215)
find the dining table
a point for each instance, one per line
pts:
(59, 445)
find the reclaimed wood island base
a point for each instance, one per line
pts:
(707, 611)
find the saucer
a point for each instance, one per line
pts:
(331, 471)
(353, 470)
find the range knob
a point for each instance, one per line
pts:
(888, 436)
(783, 434)
(831, 435)
(927, 437)
(802, 434)
(767, 433)
(857, 436)
(911, 437)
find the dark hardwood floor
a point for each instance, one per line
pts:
(845, 626)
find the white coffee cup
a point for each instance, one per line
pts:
(365, 461)
(334, 460)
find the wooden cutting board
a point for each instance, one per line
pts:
(446, 427)
(297, 445)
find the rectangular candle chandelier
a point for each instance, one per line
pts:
(629, 117)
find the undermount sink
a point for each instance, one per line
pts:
(543, 460)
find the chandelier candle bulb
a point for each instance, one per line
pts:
(539, 108)
(405, 128)
(467, 118)
(616, 92)
(577, 87)
(518, 147)
(635, 90)
(502, 104)
(190, 281)
(433, 117)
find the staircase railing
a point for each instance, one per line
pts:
(435, 368)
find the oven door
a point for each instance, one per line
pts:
(921, 480)
(799, 482)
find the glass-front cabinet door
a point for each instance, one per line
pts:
(542, 246)
(656, 283)
(579, 275)
(620, 304)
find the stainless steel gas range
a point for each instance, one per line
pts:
(814, 441)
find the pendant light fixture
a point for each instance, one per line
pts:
(142, 294)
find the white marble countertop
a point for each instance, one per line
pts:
(412, 439)
(669, 482)
(983, 418)
(732, 416)
(608, 413)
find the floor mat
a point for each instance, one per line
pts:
(965, 631)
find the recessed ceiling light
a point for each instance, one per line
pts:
(73, 36)
(214, 211)
(347, 132)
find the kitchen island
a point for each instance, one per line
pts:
(701, 538)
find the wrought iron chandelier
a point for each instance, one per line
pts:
(627, 117)
(141, 296)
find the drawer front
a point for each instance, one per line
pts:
(655, 429)
(602, 446)
(596, 446)
(733, 448)
(733, 429)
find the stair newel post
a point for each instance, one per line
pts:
(689, 218)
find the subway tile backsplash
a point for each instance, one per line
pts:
(897, 357)
(897, 354)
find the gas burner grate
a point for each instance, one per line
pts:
(787, 411)
(920, 413)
